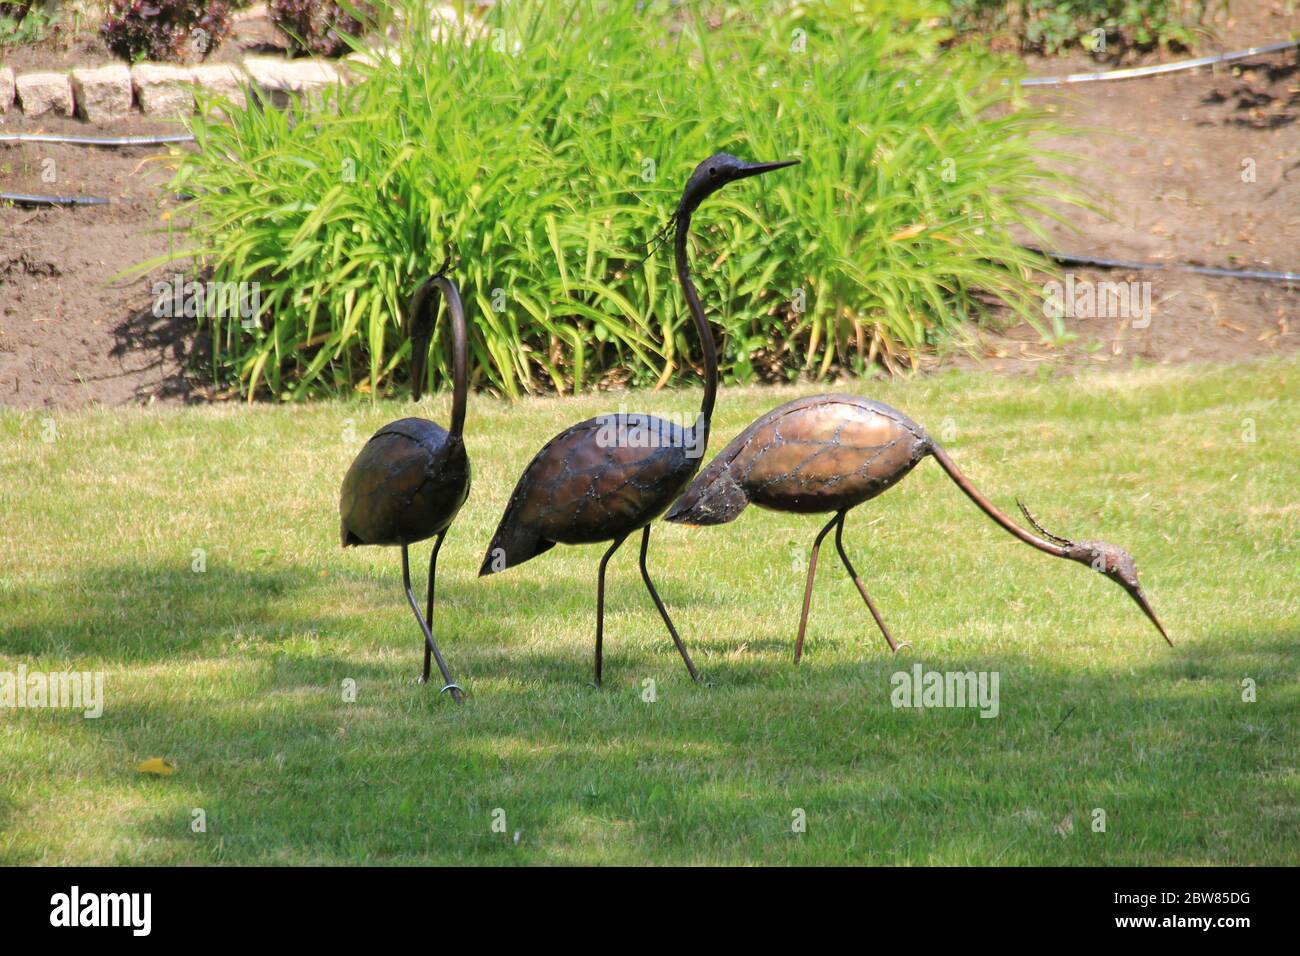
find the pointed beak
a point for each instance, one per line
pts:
(1145, 605)
(757, 169)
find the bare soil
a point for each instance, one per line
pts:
(1171, 159)
(1164, 155)
(71, 334)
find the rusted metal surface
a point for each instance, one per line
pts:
(581, 489)
(830, 453)
(810, 456)
(406, 485)
(410, 480)
(583, 486)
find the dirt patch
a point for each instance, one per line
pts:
(1164, 155)
(1200, 168)
(69, 333)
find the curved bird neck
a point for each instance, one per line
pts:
(423, 313)
(459, 357)
(707, 347)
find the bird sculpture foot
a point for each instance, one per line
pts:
(450, 687)
(899, 647)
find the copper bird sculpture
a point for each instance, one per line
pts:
(830, 453)
(610, 476)
(412, 476)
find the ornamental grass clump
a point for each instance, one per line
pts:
(546, 145)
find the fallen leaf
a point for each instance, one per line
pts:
(913, 230)
(156, 765)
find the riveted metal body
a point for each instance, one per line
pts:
(406, 485)
(831, 453)
(810, 456)
(410, 480)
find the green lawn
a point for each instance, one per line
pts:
(234, 674)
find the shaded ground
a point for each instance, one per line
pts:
(1164, 156)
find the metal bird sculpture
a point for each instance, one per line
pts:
(412, 476)
(830, 453)
(610, 476)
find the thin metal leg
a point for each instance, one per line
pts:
(663, 612)
(871, 605)
(430, 644)
(428, 614)
(808, 586)
(600, 605)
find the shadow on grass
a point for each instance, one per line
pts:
(286, 770)
(1185, 771)
(135, 613)
(131, 613)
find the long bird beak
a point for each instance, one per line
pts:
(756, 169)
(1145, 605)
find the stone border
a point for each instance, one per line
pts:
(107, 93)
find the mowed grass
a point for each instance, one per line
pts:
(235, 674)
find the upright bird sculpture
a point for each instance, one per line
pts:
(830, 453)
(609, 476)
(412, 476)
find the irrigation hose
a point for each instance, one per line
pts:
(96, 140)
(1069, 259)
(1064, 258)
(25, 199)
(1158, 68)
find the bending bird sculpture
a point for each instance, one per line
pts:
(412, 476)
(830, 453)
(610, 476)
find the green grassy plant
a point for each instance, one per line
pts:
(549, 144)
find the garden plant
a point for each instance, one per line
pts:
(545, 152)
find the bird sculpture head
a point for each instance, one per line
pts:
(718, 170)
(1105, 558)
(710, 176)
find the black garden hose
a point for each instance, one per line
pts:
(1069, 259)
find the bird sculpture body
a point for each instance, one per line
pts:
(610, 476)
(410, 480)
(831, 453)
